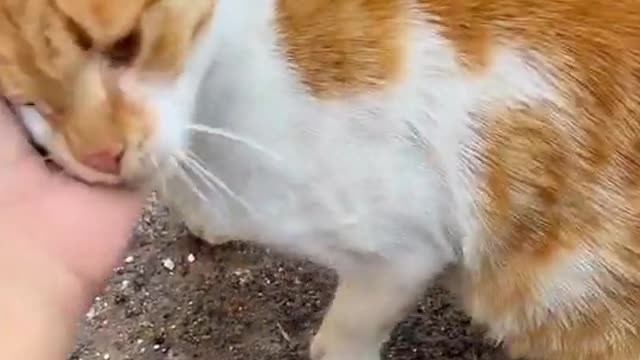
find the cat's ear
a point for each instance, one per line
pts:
(104, 22)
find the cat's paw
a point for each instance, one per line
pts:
(201, 233)
(327, 347)
(318, 348)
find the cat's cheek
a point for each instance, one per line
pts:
(165, 136)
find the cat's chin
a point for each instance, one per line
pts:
(95, 178)
(128, 178)
(83, 173)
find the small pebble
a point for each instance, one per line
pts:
(91, 313)
(106, 357)
(129, 259)
(168, 264)
(191, 258)
(125, 284)
(156, 347)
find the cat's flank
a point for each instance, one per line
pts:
(387, 139)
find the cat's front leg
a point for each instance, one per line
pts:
(196, 224)
(200, 230)
(366, 308)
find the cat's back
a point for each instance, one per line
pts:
(556, 269)
(589, 46)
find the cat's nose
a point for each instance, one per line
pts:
(106, 160)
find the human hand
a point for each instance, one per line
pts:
(59, 238)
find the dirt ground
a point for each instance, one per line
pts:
(177, 298)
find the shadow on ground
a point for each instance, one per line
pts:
(176, 298)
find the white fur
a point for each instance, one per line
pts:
(381, 174)
(376, 183)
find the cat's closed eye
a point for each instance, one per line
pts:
(124, 51)
(121, 53)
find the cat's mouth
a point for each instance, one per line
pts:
(53, 148)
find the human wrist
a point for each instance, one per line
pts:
(40, 303)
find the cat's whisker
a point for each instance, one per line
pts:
(193, 161)
(156, 167)
(209, 184)
(162, 178)
(189, 166)
(196, 164)
(187, 179)
(204, 129)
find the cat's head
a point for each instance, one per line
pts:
(121, 111)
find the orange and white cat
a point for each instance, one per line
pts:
(387, 139)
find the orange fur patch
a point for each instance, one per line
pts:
(100, 116)
(344, 46)
(547, 206)
(168, 30)
(469, 33)
(592, 32)
(104, 21)
(38, 55)
(558, 180)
